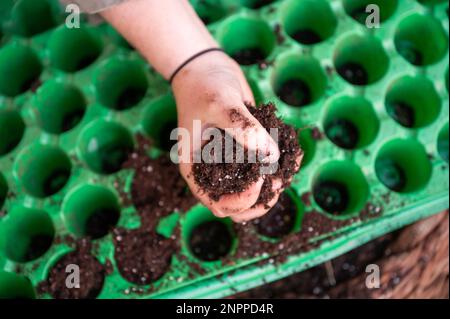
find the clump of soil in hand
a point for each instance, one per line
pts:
(249, 56)
(210, 241)
(142, 256)
(295, 92)
(289, 147)
(280, 220)
(218, 179)
(221, 178)
(92, 274)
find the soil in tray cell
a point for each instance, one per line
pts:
(280, 220)
(210, 241)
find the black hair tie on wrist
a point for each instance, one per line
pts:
(190, 60)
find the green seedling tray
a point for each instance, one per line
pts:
(53, 141)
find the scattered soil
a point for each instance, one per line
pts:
(279, 34)
(280, 220)
(354, 73)
(92, 274)
(249, 56)
(142, 257)
(211, 241)
(307, 36)
(402, 113)
(343, 133)
(295, 92)
(158, 189)
(218, 179)
(317, 134)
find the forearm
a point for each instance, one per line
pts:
(166, 33)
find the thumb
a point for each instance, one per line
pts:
(247, 131)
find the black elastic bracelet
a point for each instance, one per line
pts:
(190, 60)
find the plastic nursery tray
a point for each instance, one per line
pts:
(61, 114)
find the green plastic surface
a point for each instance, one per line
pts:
(58, 164)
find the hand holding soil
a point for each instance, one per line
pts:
(221, 103)
(213, 89)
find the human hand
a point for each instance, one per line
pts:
(211, 89)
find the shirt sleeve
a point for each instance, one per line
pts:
(93, 6)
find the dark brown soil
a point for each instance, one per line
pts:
(158, 189)
(307, 36)
(210, 241)
(218, 179)
(354, 73)
(343, 133)
(295, 92)
(249, 56)
(289, 147)
(279, 34)
(142, 256)
(280, 220)
(221, 178)
(92, 274)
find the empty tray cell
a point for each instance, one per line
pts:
(403, 165)
(26, 234)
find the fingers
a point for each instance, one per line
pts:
(246, 130)
(260, 210)
(234, 204)
(228, 205)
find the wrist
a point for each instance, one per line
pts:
(204, 66)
